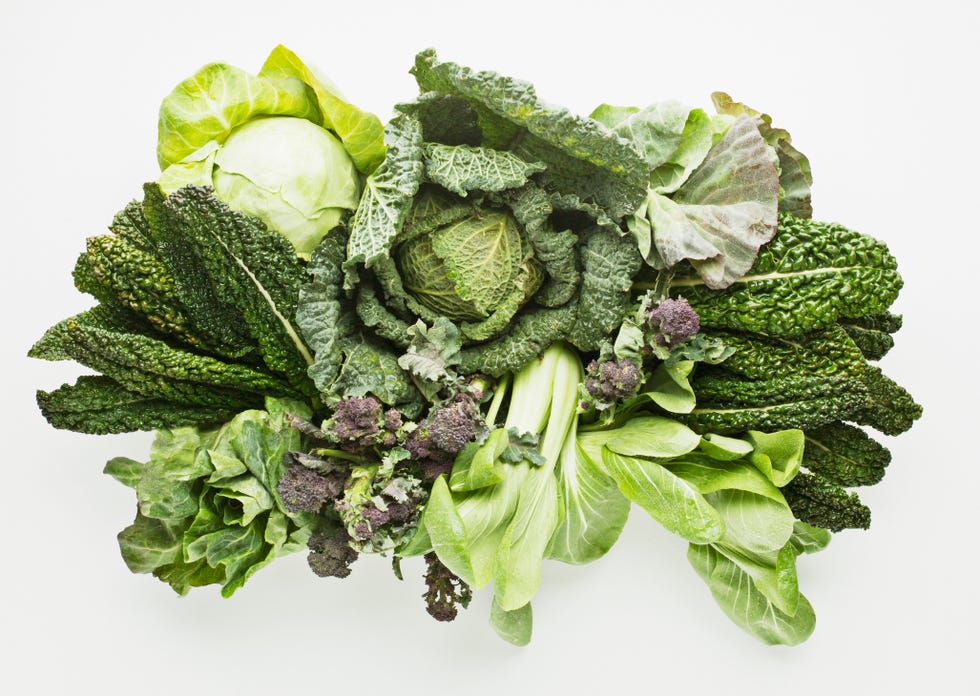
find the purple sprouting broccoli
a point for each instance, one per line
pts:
(444, 433)
(444, 590)
(331, 554)
(305, 490)
(674, 321)
(360, 422)
(609, 381)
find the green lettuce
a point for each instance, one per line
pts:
(208, 511)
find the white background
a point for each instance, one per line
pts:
(882, 97)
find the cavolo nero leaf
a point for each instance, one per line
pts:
(256, 270)
(808, 277)
(99, 405)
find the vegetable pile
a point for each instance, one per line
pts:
(480, 334)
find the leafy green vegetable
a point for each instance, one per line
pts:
(723, 210)
(808, 277)
(208, 508)
(795, 177)
(195, 322)
(580, 156)
(282, 146)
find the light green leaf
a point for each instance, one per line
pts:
(595, 511)
(388, 193)
(724, 448)
(446, 531)
(517, 565)
(513, 626)
(669, 388)
(653, 436)
(461, 169)
(361, 133)
(778, 455)
(669, 499)
(720, 216)
(741, 600)
(207, 106)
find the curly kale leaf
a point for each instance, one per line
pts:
(582, 157)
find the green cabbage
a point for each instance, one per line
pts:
(282, 146)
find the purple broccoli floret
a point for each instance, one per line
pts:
(444, 590)
(306, 490)
(675, 321)
(610, 381)
(359, 422)
(331, 554)
(444, 433)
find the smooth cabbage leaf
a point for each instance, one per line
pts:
(361, 133)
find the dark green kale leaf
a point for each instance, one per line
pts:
(195, 320)
(810, 275)
(822, 503)
(100, 405)
(846, 455)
